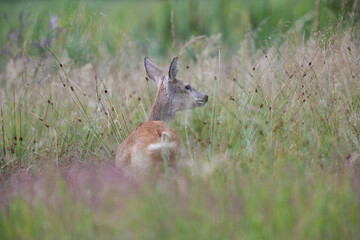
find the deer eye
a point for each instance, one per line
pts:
(187, 87)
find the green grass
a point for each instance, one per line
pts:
(95, 29)
(274, 155)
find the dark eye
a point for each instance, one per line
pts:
(187, 87)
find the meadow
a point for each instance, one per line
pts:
(274, 155)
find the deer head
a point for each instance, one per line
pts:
(174, 94)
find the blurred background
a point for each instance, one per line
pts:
(91, 29)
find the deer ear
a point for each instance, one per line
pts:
(174, 69)
(153, 71)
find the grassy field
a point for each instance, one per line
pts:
(87, 25)
(274, 155)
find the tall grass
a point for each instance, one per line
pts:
(274, 155)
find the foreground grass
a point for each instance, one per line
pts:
(274, 155)
(292, 204)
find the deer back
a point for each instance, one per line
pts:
(152, 144)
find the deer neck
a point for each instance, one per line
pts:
(162, 109)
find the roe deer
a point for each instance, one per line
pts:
(146, 146)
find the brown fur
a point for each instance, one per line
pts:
(145, 147)
(147, 133)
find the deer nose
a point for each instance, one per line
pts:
(206, 98)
